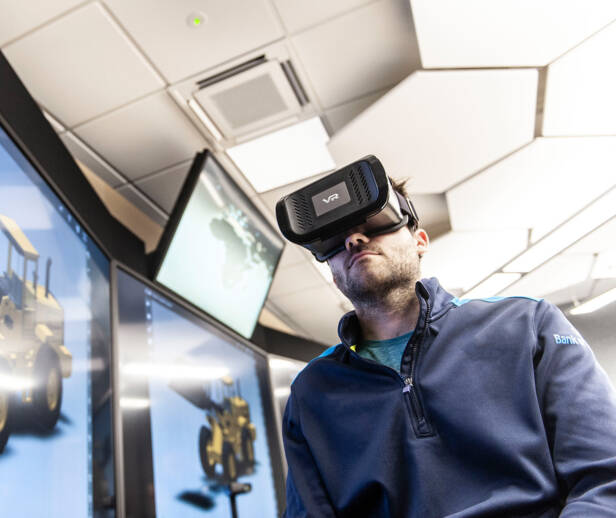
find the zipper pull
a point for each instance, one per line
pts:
(408, 384)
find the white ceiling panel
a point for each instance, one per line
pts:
(146, 136)
(82, 65)
(441, 127)
(507, 33)
(601, 240)
(179, 49)
(579, 95)
(539, 186)
(557, 274)
(20, 17)
(91, 160)
(143, 204)
(341, 115)
(165, 186)
(319, 316)
(360, 52)
(292, 279)
(291, 256)
(299, 15)
(461, 259)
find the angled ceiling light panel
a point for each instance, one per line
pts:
(73, 65)
(462, 259)
(180, 48)
(492, 285)
(285, 156)
(556, 275)
(595, 303)
(592, 217)
(441, 127)
(579, 95)
(605, 265)
(600, 240)
(508, 33)
(537, 187)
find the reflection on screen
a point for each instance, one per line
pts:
(223, 254)
(54, 342)
(207, 415)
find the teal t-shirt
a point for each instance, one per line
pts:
(388, 352)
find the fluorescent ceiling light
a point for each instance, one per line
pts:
(492, 285)
(579, 96)
(279, 364)
(566, 234)
(551, 27)
(166, 371)
(284, 156)
(595, 303)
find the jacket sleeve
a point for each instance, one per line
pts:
(579, 411)
(306, 493)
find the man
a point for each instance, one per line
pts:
(433, 406)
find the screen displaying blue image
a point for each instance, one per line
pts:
(54, 348)
(223, 253)
(210, 423)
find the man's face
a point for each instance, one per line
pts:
(370, 267)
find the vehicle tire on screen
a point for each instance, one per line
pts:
(207, 463)
(47, 393)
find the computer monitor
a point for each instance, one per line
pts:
(218, 251)
(55, 406)
(197, 411)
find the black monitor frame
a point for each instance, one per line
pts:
(24, 123)
(144, 503)
(157, 257)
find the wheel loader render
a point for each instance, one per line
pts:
(33, 359)
(228, 439)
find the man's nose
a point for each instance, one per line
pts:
(353, 240)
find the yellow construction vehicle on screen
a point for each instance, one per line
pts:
(228, 438)
(33, 358)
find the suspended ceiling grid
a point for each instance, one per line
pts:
(493, 128)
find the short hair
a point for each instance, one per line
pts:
(400, 187)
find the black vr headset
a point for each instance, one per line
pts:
(358, 196)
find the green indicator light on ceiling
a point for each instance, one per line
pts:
(197, 21)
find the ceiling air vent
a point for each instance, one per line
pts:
(252, 95)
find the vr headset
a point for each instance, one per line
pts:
(358, 196)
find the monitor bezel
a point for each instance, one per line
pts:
(271, 416)
(158, 256)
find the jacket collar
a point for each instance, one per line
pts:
(429, 293)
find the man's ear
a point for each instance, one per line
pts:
(423, 241)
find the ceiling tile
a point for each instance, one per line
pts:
(599, 241)
(579, 95)
(462, 259)
(292, 255)
(91, 160)
(20, 17)
(375, 47)
(484, 33)
(441, 127)
(557, 274)
(179, 49)
(81, 65)
(146, 136)
(299, 15)
(317, 310)
(165, 186)
(539, 187)
(295, 278)
(143, 204)
(341, 115)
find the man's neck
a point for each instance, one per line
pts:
(394, 315)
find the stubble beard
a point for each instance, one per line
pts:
(389, 284)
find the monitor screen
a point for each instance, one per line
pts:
(219, 253)
(197, 412)
(55, 411)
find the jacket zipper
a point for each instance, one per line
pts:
(423, 427)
